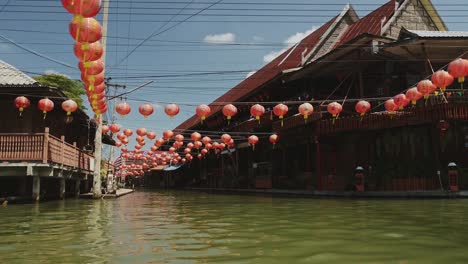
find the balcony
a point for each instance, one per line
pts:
(43, 148)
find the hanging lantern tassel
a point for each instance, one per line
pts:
(21, 111)
(305, 119)
(281, 117)
(202, 119)
(253, 147)
(45, 113)
(362, 117)
(229, 120)
(274, 144)
(258, 118)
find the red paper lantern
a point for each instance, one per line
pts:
(93, 81)
(154, 148)
(274, 139)
(168, 134)
(139, 139)
(118, 144)
(203, 111)
(146, 110)
(257, 111)
(390, 106)
(141, 131)
(138, 146)
(91, 67)
(197, 144)
(280, 110)
(187, 150)
(442, 79)
(199, 156)
(128, 132)
(229, 111)
(204, 152)
(190, 145)
(22, 103)
(171, 110)
(426, 87)
(216, 145)
(208, 146)
(125, 141)
(45, 105)
(413, 95)
(151, 135)
(362, 107)
(334, 109)
(206, 140)
(114, 128)
(85, 51)
(226, 138)
(84, 8)
(306, 110)
(253, 140)
(121, 136)
(179, 138)
(105, 129)
(172, 150)
(85, 29)
(195, 136)
(69, 106)
(459, 69)
(159, 142)
(123, 108)
(400, 101)
(222, 146)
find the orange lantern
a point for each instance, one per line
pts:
(253, 140)
(146, 110)
(171, 110)
(114, 128)
(123, 108)
(151, 135)
(280, 110)
(203, 111)
(390, 106)
(22, 103)
(91, 67)
(168, 134)
(257, 111)
(128, 132)
(121, 136)
(206, 140)
(274, 139)
(226, 138)
(45, 105)
(69, 106)
(85, 51)
(334, 109)
(159, 142)
(139, 139)
(229, 111)
(306, 110)
(154, 148)
(197, 144)
(362, 107)
(426, 87)
(413, 95)
(141, 131)
(400, 101)
(459, 69)
(179, 138)
(442, 79)
(195, 136)
(85, 29)
(105, 129)
(138, 146)
(84, 8)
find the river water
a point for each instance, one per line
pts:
(188, 227)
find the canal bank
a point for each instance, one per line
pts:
(349, 194)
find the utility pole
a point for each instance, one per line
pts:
(98, 137)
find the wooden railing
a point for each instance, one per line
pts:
(42, 147)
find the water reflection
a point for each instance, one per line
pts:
(180, 227)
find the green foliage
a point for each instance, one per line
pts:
(73, 89)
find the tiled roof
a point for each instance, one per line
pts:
(370, 24)
(439, 34)
(289, 59)
(9, 75)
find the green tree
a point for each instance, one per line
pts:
(71, 88)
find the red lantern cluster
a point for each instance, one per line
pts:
(87, 32)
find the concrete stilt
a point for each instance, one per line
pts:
(36, 188)
(77, 188)
(62, 188)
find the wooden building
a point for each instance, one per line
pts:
(41, 157)
(373, 57)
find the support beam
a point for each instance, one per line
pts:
(77, 188)
(62, 188)
(36, 188)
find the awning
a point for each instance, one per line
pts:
(172, 168)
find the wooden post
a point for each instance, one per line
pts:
(77, 187)
(76, 157)
(62, 187)
(62, 147)
(36, 188)
(318, 162)
(45, 149)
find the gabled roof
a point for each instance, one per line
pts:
(9, 75)
(289, 59)
(435, 34)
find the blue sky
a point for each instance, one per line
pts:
(190, 47)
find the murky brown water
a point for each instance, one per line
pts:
(185, 227)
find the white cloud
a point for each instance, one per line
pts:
(225, 38)
(290, 41)
(250, 74)
(47, 72)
